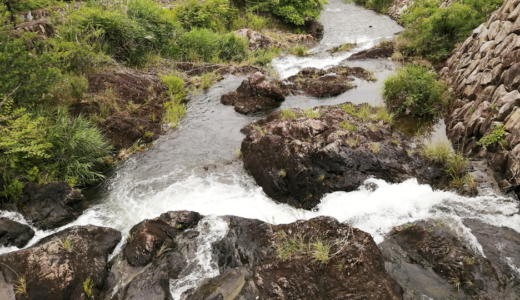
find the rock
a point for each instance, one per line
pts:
(427, 260)
(51, 205)
(254, 94)
(149, 236)
(58, 266)
(298, 159)
(256, 39)
(314, 28)
(356, 271)
(376, 52)
(228, 286)
(513, 127)
(42, 27)
(14, 234)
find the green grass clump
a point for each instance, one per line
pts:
(437, 153)
(88, 285)
(175, 109)
(288, 114)
(298, 50)
(343, 47)
(252, 21)
(415, 90)
(346, 125)
(312, 113)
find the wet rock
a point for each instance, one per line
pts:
(51, 205)
(297, 159)
(427, 260)
(234, 284)
(355, 271)
(314, 28)
(384, 51)
(254, 94)
(14, 234)
(58, 266)
(147, 238)
(256, 39)
(324, 83)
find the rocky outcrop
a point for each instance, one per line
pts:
(256, 39)
(298, 156)
(254, 94)
(59, 266)
(485, 74)
(51, 205)
(314, 28)
(150, 236)
(426, 259)
(399, 7)
(381, 51)
(257, 93)
(14, 234)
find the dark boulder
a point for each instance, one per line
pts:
(51, 205)
(254, 94)
(297, 158)
(148, 237)
(383, 51)
(14, 234)
(60, 265)
(427, 260)
(314, 28)
(324, 83)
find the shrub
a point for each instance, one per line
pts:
(25, 5)
(250, 20)
(291, 11)
(495, 136)
(433, 31)
(415, 90)
(209, 14)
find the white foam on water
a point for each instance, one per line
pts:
(201, 264)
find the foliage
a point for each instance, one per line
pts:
(175, 109)
(25, 5)
(210, 14)
(312, 113)
(291, 11)
(346, 125)
(377, 5)
(343, 47)
(496, 135)
(262, 57)
(366, 112)
(288, 114)
(432, 31)
(252, 21)
(438, 153)
(415, 90)
(298, 50)
(88, 285)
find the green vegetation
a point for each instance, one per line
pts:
(291, 11)
(66, 244)
(495, 136)
(88, 285)
(415, 90)
(312, 113)
(298, 50)
(343, 47)
(366, 112)
(432, 32)
(346, 125)
(288, 114)
(437, 153)
(377, 5)
(375, 148)
(175, 109)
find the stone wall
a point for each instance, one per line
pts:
(485, 74)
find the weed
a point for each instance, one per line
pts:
(88, 285)
(162, 250)
(312, 113)
(208, 79)
(320, 251)
(261, 130)
(321, 177)
(456, 282)
(408, 225)
(437, 153)
(298, 50)
(352, 142)
(288, 114)
(469, 260)
(455, 167)
(238, 152)
(343, 47)
(375, 148)
(346, 125)
(383, 114)
(20, 286)
(495, 136)
(66, 244)
(469, 182)
(350, 109)
(282, 173)
(395, 142)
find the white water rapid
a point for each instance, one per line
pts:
(195, 167)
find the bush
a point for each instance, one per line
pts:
(252, 21)
(377, 5)
(291, 11)
(209, 14)
(25, 5)
(206, 45)
(433, 31)
(415, 90)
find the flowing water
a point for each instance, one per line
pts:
(195, 166)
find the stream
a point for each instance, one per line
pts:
(195, 167)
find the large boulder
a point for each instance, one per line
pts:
(14, 234)
(254, 94)
(314, 28)
(427, 260)
(51, 205)
(298, 156)
(60, 265)
(256, 39)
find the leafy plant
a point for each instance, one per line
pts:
(88, 285)
(415, 90)
(496, 135)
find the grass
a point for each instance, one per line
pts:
(375, 148)
(437, 153)
(238, 152)
(469, 260)
(66, 244)
(208, 79)
(352, 142)
(312, 113)
(261, 130)
(162, 250)
(20, 286)
(366, 112)
(343, 47)
(298, 50)
(88, 285)
(282, 173)
(320, 251)
(288, 114)
(346, 125)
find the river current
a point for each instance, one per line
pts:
(195, 167)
